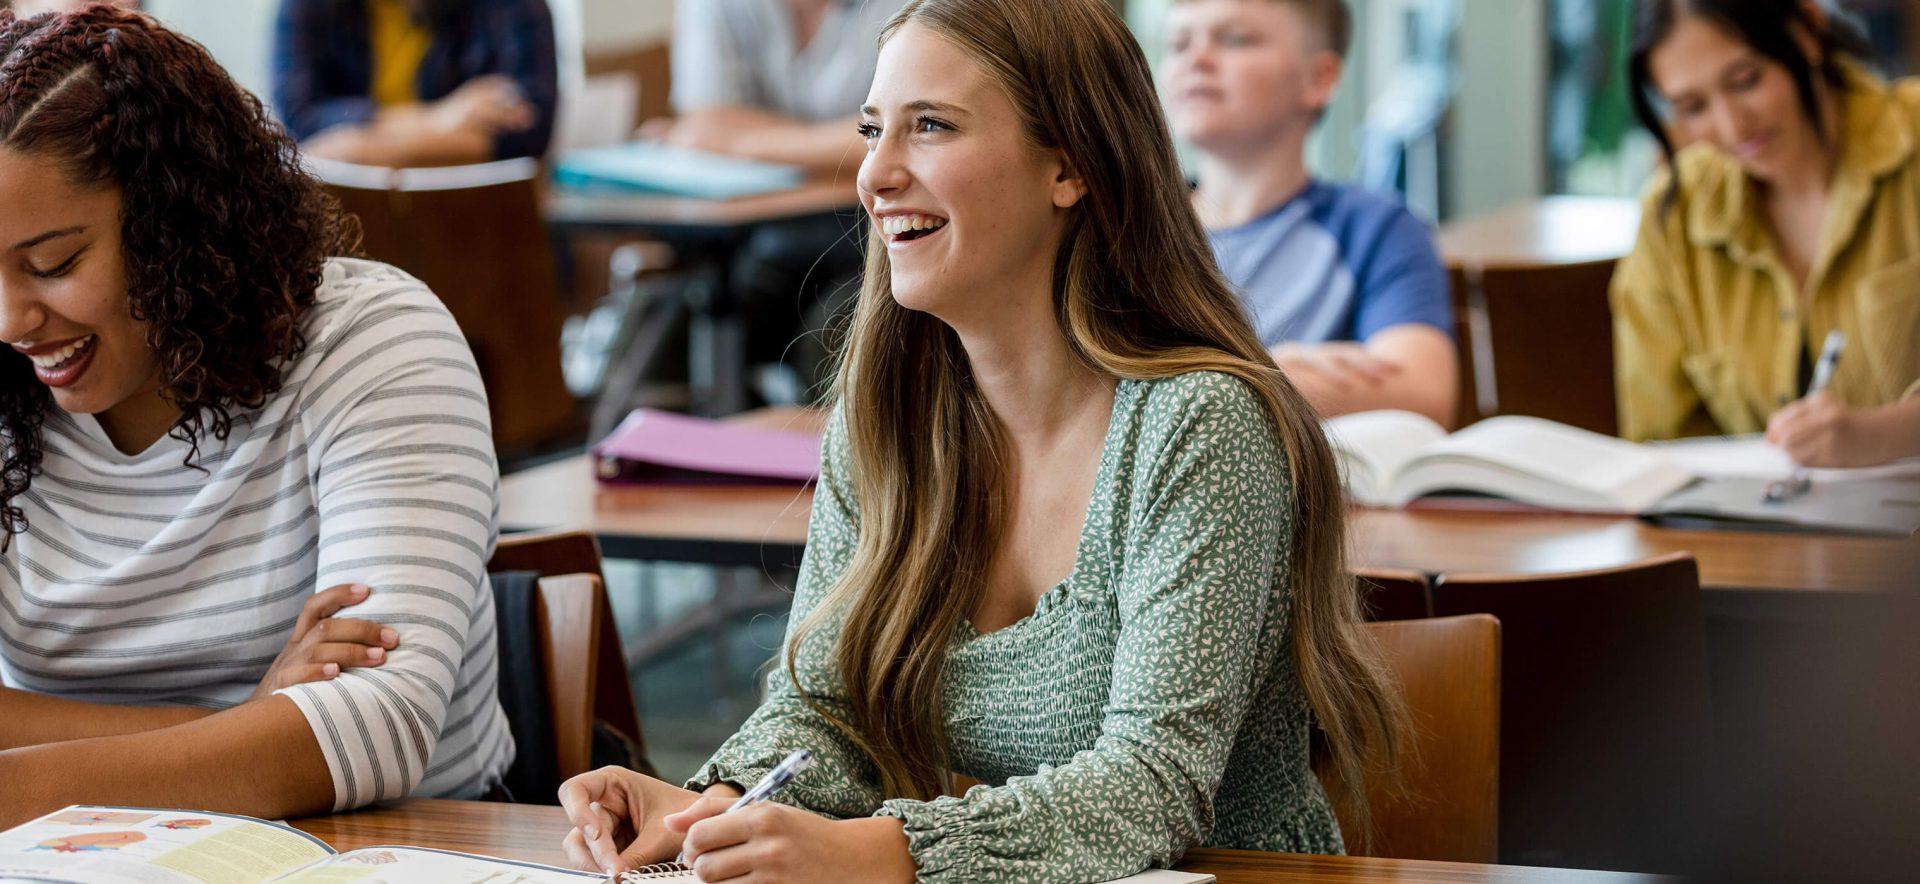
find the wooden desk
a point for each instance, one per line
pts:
(761, 525)
(1551, 230)
(532, 833)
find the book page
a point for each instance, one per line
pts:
(408, 865)
(1374, 445)
(121, 845)
(1601, 473)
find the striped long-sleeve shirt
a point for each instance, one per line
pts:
(144, 580)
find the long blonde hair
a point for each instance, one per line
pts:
(1136, 295)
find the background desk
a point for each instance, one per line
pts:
(756, 525)
(710, 232)
(532, 833)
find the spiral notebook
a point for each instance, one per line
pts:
(678, 872)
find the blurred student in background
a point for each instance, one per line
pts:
(1793, 211)
(1344, 286)
(416, 82)
(781, 81)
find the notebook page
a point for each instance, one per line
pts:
(1737, 457)
(678, 872)
(404, 865)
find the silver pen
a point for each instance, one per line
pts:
(1799, 483)
(774, 781)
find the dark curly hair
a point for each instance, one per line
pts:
(224, 234)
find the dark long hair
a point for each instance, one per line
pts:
(224, 235)
(1770, 27)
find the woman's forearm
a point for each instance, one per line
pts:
(30, 719)
(258, 759)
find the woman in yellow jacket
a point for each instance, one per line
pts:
(1793, 211)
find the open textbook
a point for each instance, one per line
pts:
(125, 845)
(1392, 458)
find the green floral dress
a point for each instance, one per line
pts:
(1148, 705)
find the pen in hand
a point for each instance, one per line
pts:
(774, 781)
(1799, 483)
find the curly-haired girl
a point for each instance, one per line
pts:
(213, 437)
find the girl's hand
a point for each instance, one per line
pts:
(771, 842)
(1821, 431)
(324, 645)
(616, 817)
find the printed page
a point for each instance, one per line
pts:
(1374, 445)
(409, 865)
(121, 845)
(1629, 477)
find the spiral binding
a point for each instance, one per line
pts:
(656, 872)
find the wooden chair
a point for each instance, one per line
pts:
(474, 235)
(1605, 727)
(1469, 313)
(1448, 804)
(585, 673)
(1550, 342)
(1394, 595)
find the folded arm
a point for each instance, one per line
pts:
(1411, 367)
(32, 719)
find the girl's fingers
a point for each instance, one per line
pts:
(347, 656)
(328, 602)
(576, 847)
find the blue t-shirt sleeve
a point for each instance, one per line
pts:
(1401, 280)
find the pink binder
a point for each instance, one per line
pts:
(662, 447)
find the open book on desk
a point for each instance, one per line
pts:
(86, 844)
(1392, 458)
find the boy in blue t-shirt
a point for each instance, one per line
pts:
(1344, 286)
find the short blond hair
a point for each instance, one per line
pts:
(1331, 18)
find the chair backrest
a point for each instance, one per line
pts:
(584, 668)
(1393, 595)
(474, 235)
(1550, 335)
(1605, 730)
(1447, 806)
(651, 67)
(1469, 346)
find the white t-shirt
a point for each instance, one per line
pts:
(745, 52)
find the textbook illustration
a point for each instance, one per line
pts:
(126, 845)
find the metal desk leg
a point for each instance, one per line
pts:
(717, 346)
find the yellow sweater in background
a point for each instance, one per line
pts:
(398, 44)
(1709, 324)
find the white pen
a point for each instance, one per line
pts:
(1799, 482)
(774, 781)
